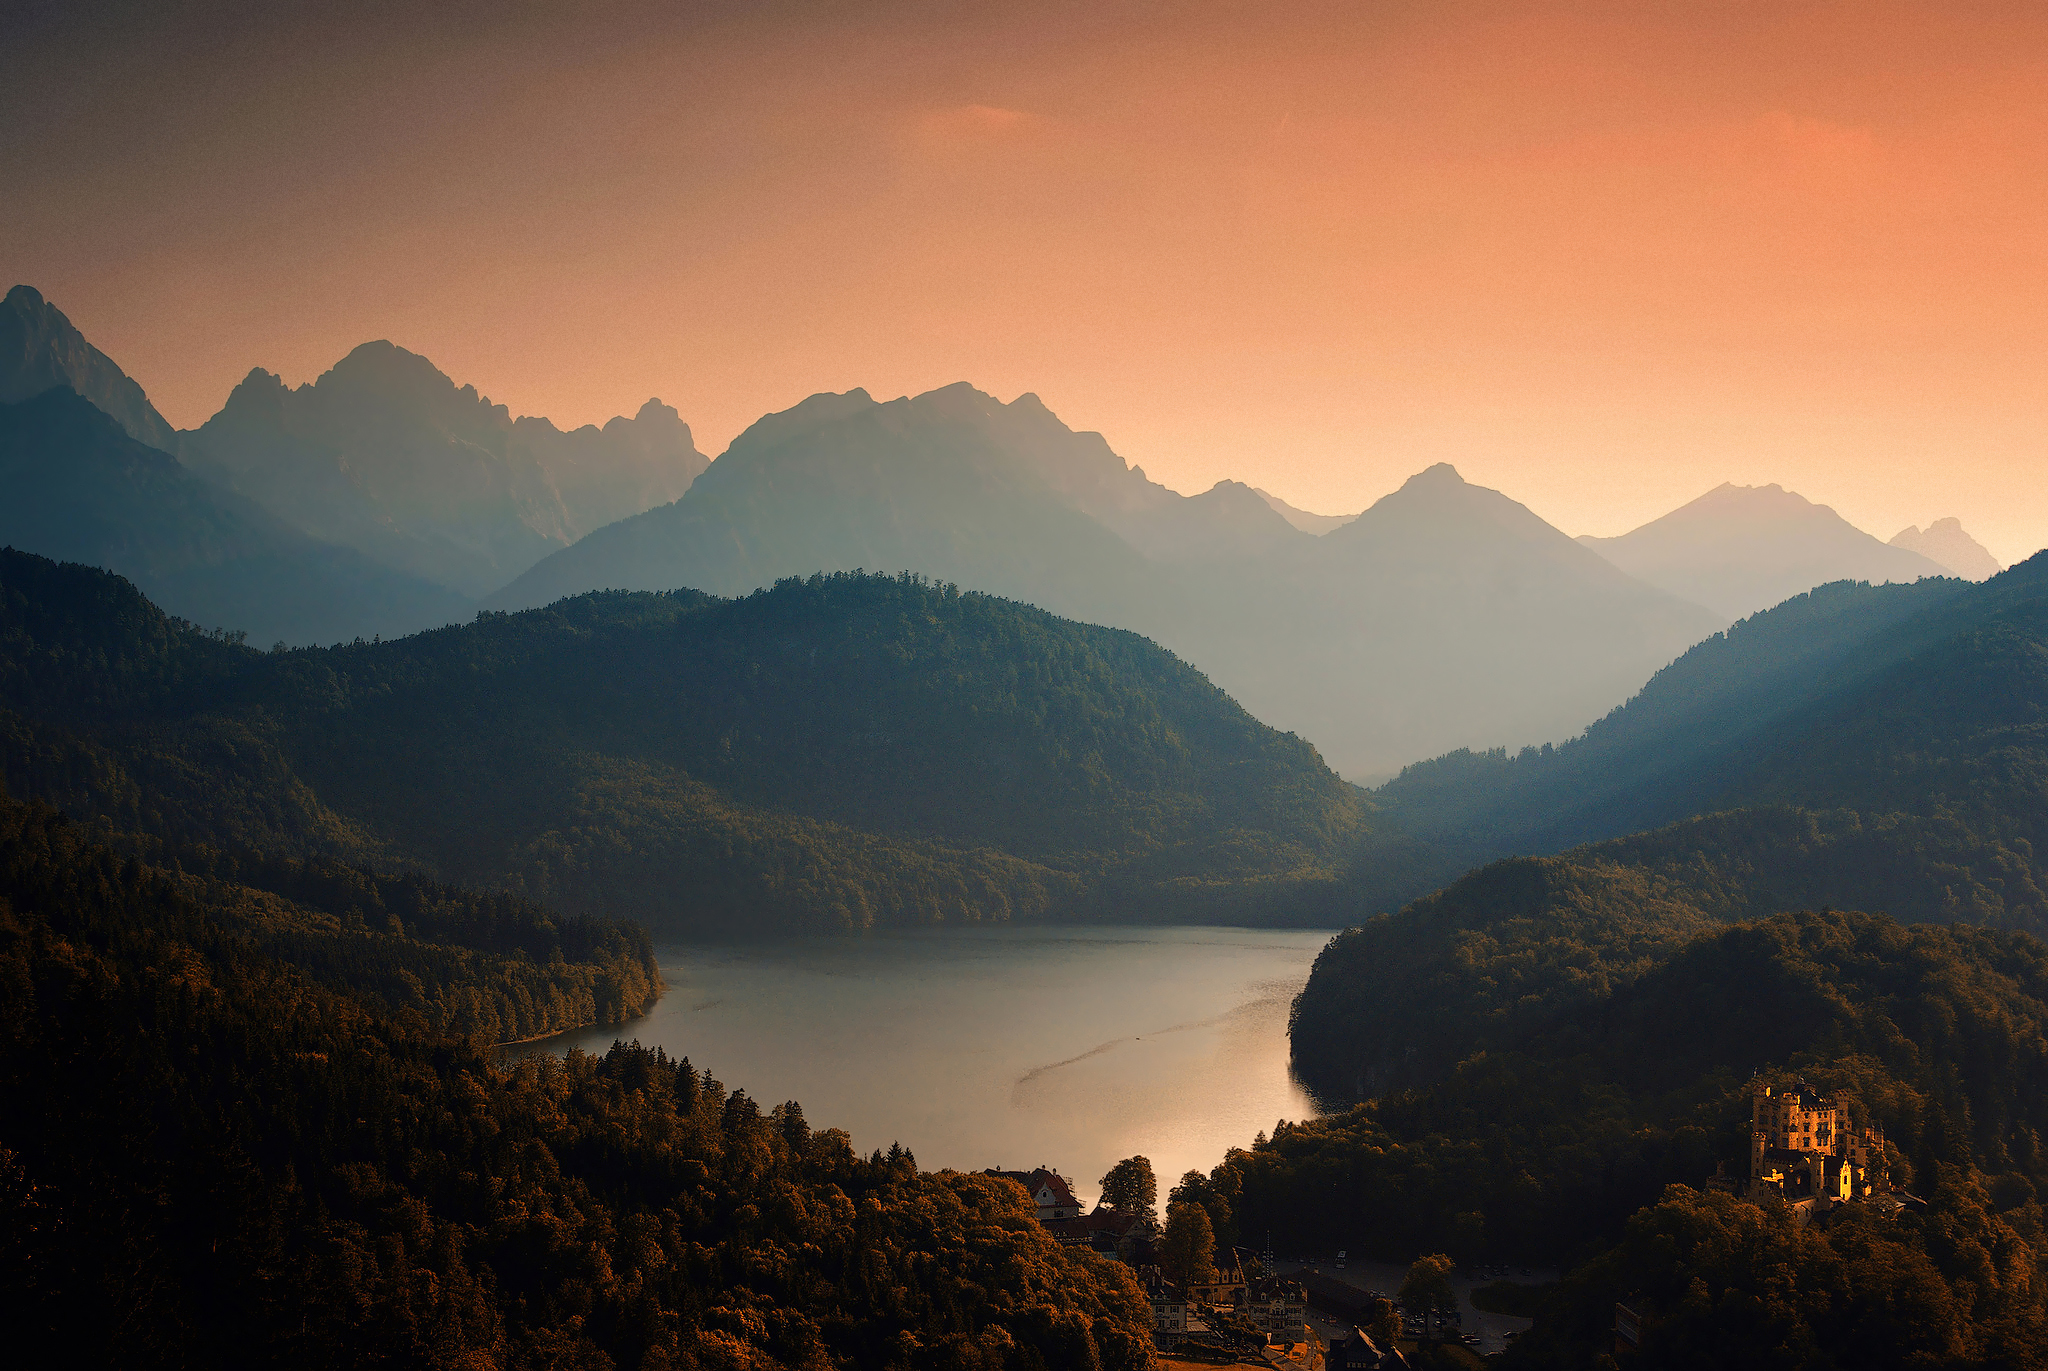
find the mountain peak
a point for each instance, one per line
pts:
(1440, 474)
(1945, 542)
(1740, 549)
(40, 350)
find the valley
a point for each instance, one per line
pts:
(925, 762)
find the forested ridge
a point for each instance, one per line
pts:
(1589, 1141)
(220, 1150)
(830, 754)
(1919, 789)
(1553, 1051)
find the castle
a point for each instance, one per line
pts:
(1802, 1149)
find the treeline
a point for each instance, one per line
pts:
(834, 753)
(1490, 958)
(213, 1156)
(1602, 1125)
(439, 959)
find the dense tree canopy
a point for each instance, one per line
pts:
(834, 753)
(1553, 1144)
(212, 1156)
(1129, 1187)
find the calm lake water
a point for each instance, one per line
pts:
(1012, 1047)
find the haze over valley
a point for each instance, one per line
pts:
(937, 688)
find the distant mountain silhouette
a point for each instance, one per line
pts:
(40, 350)
(1445, 610)
(385, 454)
(1301, 518)
(1447, 614)
(1740, 549)
(1944, 541)
(81, 489)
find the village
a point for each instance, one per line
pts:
(1261, 1310)
(1214, 1304)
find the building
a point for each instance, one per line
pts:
(1169, 1305)
(1105, 1231)
(1359, 1352)
(1052, 1192)
(1275, 1306)
(1228, 1285)
(1803, 1150)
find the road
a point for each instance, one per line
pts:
(1385, 1278)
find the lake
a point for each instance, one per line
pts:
(1067, 1047)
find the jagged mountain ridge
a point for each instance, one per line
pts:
(40, 350)
(1740, 549)
(1301, 518)
(81, 489)
(1446, 612)
(384, 453)
(1946, 542)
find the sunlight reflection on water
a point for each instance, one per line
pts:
(1015, 1047)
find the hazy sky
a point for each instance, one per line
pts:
(1602, 256)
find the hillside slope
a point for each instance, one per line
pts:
(81, 489)
(217, 1152)
(1596, 1135)
(831, 754)
(1917, 786)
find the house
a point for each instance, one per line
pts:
(1360, 1353)
(1227, 1286)
(1169, 1305)
(1275, 1306)
(1051, 1191)
(1124, 1236)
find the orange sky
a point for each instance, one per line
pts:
(1602, 256)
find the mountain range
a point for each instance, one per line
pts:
(392, 497)
(1446, 611)
(1739, 549)
(1445, 616)
(385, 454)
(80, 487)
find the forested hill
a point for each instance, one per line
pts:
(1680, 742)
(834, 753)
(222, 1148)
(1591, 1138)
(1918, 786)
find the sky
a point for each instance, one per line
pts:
(1602, 256)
